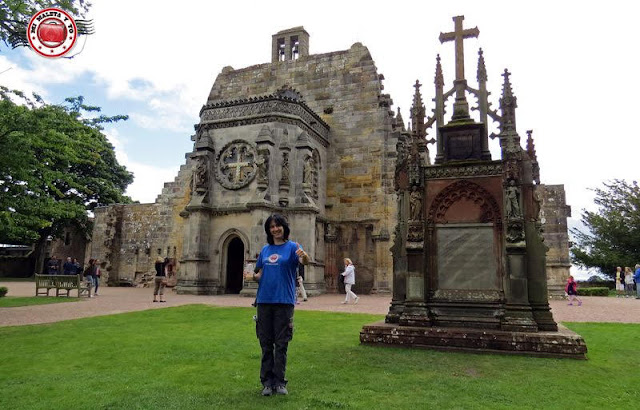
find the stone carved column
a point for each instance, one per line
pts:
(285, 175)
(415, 311)
(331, 261)
(195, 275)
(306, 166)
(399, 255)
(518, 313)
(536, 262)
(264, 169)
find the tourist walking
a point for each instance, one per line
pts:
(619, 282)
(160, 280)
(96, 274)
(349, 280)
(275, 273)
(89, 275)
(636, 276)
(572, 291)
(628, 281)
(300, 290)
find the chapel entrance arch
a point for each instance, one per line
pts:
(235, 264)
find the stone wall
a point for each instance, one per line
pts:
(554, 214)
(128, 238)
(72, 243)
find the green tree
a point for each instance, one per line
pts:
(15, 14)
(613, 237)
(55, 166)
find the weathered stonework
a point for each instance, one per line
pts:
(554, 214)
(128, 238)
(469, 260)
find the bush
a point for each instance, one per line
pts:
(3, 291)
(600, 291)
(611, 284)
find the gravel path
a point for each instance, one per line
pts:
(119, 300)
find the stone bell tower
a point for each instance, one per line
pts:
(290, 44)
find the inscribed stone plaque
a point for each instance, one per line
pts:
(465, 257)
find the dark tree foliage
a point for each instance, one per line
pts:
(55, 166)
(15, 14)
(613, 237)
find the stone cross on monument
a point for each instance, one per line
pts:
(460, 106)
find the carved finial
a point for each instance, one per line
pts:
(439, 81)
(286, 91)
(417, 96)
(508, 103)
(482, 70)
(531, 148)
(507, 92)
(400, 120)
(510, 141)
(418, 112)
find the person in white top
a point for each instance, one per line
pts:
(619, 282)
(349, 280)
(628, 281)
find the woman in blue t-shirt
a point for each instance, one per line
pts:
(276, 273)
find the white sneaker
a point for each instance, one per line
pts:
(344, 302)
(357, 299)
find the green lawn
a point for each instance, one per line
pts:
(13, 301)
(202, 357)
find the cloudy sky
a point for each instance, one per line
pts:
(572, 65)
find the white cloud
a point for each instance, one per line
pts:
(572, 68)
(149, 179)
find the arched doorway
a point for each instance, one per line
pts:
(235, 262)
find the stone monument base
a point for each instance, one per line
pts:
(561, 344)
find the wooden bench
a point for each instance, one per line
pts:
(63, 284)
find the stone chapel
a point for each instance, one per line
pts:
(312, 137)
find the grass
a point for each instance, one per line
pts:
(197, 357)
(14, 301)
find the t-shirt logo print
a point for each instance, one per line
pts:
(274, 258)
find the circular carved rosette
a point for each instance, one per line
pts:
(236, 164)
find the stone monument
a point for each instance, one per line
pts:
(468, 253)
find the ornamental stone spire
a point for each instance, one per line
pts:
(418, 112)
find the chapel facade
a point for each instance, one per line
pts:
(312, 137)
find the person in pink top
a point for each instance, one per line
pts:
(572, 290)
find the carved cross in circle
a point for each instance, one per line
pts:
(237, 164)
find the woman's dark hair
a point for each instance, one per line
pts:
(279, 220)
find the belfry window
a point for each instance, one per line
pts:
(281, 50)
(295, 48)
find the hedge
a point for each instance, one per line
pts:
(3, 291)
(599, 291)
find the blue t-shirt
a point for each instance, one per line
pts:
(278, 280)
